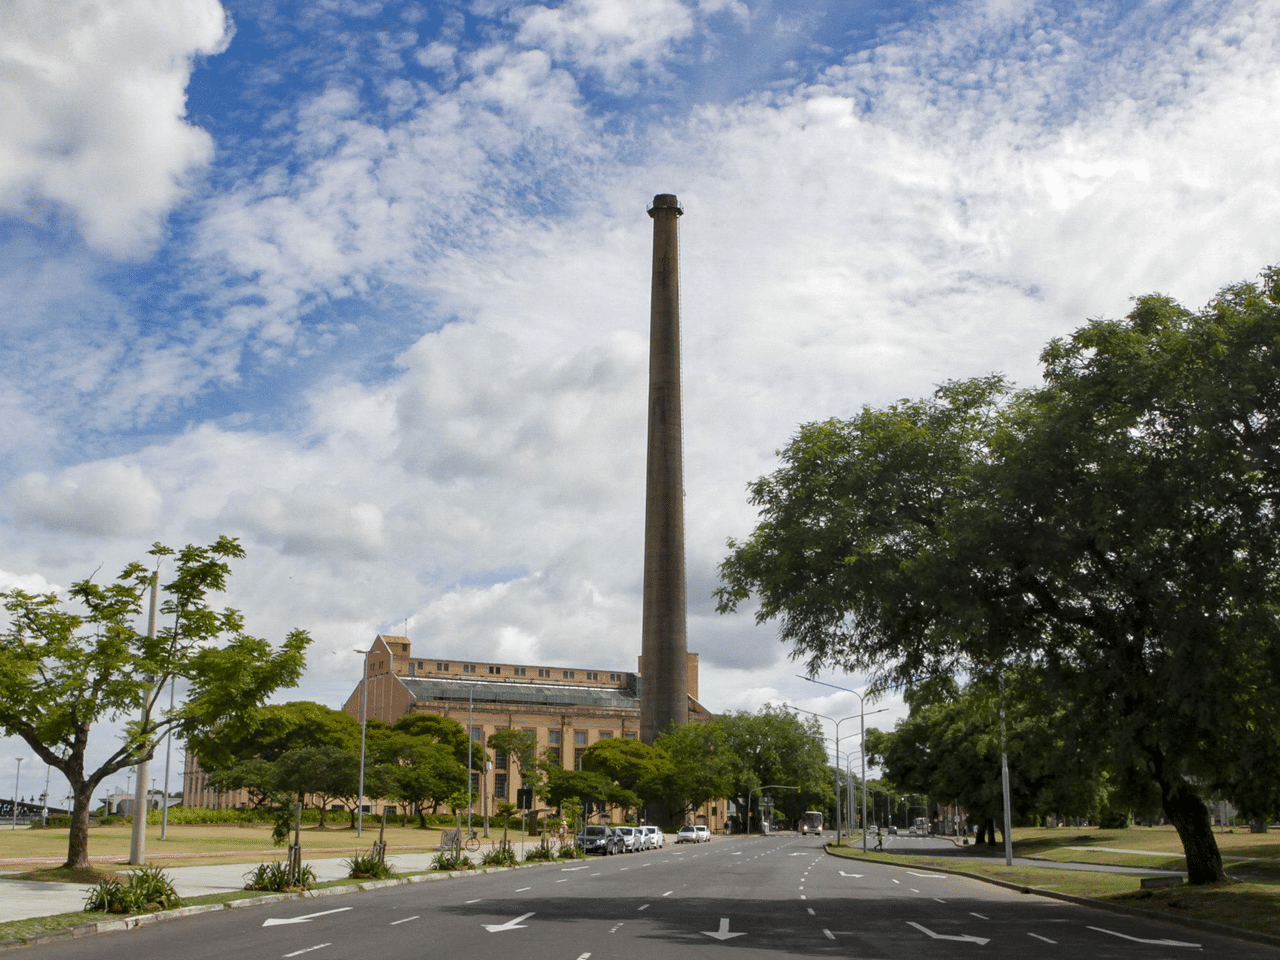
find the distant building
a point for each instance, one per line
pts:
(567, 709)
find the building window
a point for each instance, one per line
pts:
(442, 667)
(568, 674)
(500, 760)
(500, 786)
(518, 671)
(605, 735)
(543, 672)
(475, 783)
(468, 668)
(411, 666)
(592, 675)
(497, 670)
(629, 735)
(577, 758)
(580, 738)
(553, 756)
(477, 734)
(615, 677)
(553, 737)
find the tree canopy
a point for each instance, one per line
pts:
(1114, 529)
(69, 664)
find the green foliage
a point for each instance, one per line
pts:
(1115, 530)
(146, 890)
(541, 853)
(67, 665)
(275, 877)
(451, 860)
(503, 855)
(369, 866)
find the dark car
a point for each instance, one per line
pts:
(596, 838)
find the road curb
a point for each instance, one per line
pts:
(1193, 923)
(93, 928)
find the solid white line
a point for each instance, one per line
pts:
(1038, 937)
(405, 920)
(318, 946)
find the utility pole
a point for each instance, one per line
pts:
(138, 842)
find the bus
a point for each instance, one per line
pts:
(811, 823)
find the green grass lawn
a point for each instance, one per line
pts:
(187, 845)
(1250, 901)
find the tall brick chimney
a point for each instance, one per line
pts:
(664, 687)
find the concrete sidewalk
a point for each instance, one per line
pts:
(22, 899)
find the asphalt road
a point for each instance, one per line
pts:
(774, 897)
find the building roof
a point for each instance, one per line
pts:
(433, 689)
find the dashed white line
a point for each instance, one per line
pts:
(668, 893)
(318, 946)
(978, 915)
(1038, 937)
(811, 913)
(521, 889)
(939, 899)
(643, 906)
(830, 935)
(405, 920)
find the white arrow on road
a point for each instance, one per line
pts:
(1158, 943)
(723, 933)
(277, 921)
(509, 925)
(931, 876)
(965, 938)
(858, 875)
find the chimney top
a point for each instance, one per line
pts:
(667, 201)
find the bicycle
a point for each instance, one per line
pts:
(472, 843)
(448, 839)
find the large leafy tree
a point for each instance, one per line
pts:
(635, 766)
(268, 732)
(949, 748)
(68, 664)
(1115, 528)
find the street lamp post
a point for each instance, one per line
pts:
(364, 725)
(16, 781)
(761, 790)
(837, 743)
(862, 725)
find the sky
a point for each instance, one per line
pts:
(365, 284)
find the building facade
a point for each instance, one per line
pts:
(567, 709)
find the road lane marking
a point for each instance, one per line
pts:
(395, 923)
(584, 956)
(643, 906)
(1038, 937)
(830, 935)
(1159, 943)
(939, 899)
(811, 913)
(858, 875)
(318, 946)
(896, 881)
(473, 901)
(978, 915)
(723, 933)
(509, 925)
(930, 876)
(277, 921)
(668, 893)
(964, 937)
(563, 880)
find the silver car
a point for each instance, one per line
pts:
(631, 839)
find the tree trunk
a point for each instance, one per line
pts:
(78, 840)
(1190, 817)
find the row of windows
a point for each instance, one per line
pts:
(544, 673)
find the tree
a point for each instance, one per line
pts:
(639, 769)
(323, 773)
(1115, 529)
(949, 748)
(66, 665)
(428, 774)
(268, 732)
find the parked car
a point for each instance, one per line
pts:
(630, 838)
(654, 836)
(596, 838)
(704, 833)
(687, 834)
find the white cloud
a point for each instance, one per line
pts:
(93, 96)
(104, 499)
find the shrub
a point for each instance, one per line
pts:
(450, 860)
(503, 855)
(541, 852)
(274, 877)
(369, 866)
(146, 890)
